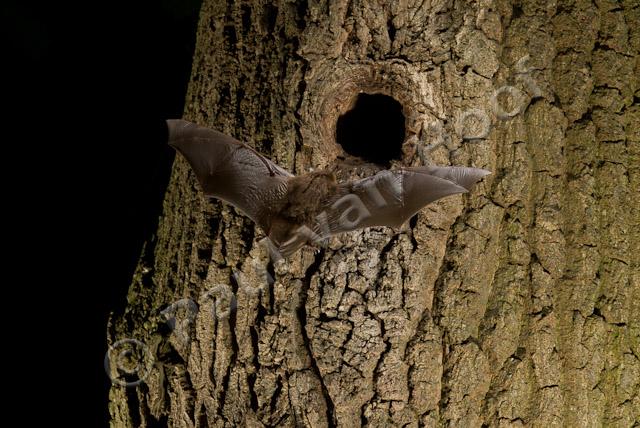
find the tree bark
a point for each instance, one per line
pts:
(517, 304)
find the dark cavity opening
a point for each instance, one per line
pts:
(373, 130)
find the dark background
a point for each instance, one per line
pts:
(92, 85)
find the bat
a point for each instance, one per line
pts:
(297, 210)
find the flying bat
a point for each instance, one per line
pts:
(297, 210)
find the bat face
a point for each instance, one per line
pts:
(294, 211)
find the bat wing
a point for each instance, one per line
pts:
(232, 171)
(390, 198)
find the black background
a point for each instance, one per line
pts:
(91, 85)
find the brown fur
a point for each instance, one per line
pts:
(307, 194)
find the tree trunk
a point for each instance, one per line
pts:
(517, 304)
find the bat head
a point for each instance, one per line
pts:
(288, 236)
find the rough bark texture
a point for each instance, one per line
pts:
(518, 304)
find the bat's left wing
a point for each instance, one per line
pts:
(232, 171)
(391, 197)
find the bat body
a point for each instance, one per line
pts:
(296, 210)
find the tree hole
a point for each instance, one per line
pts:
(373, 130)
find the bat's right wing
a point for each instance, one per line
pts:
(230, 170)
(391, 197)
